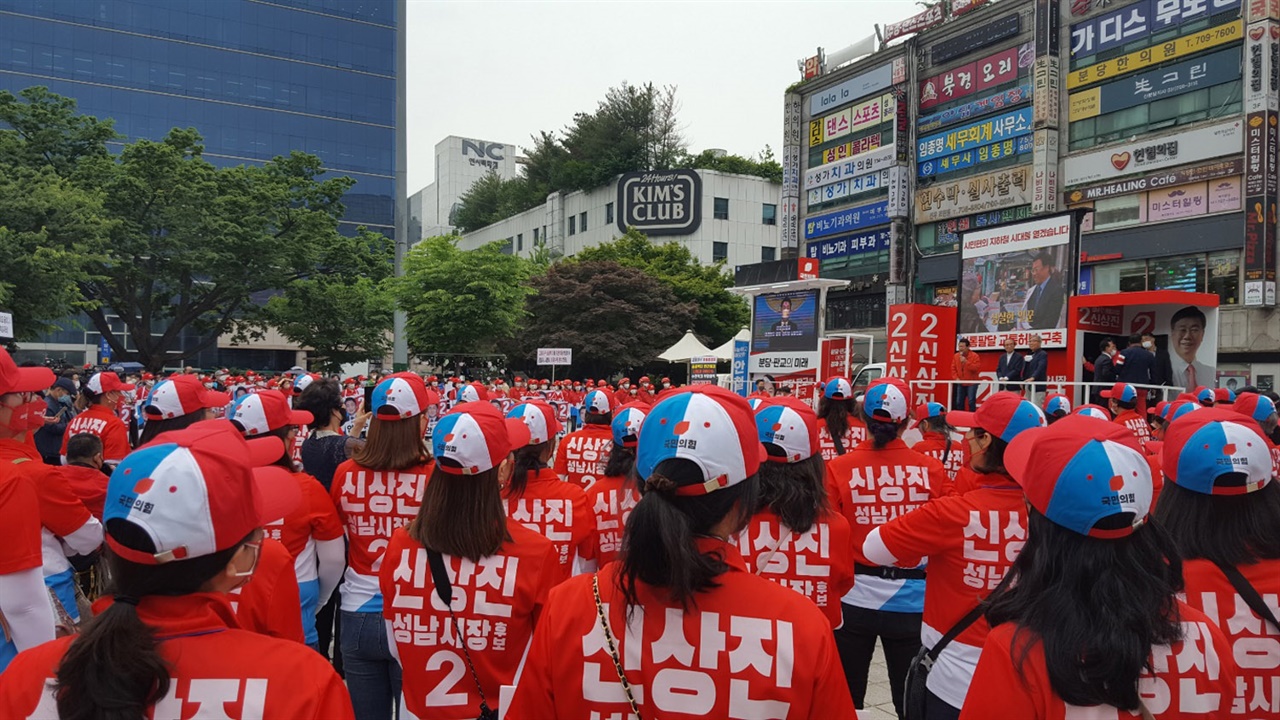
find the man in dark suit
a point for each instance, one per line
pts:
(1037, 369)
(1104, 371)
(1136, 365)
(1011, 366)
(1045, 300)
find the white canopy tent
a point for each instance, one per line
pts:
(725, 351)
(688, 347)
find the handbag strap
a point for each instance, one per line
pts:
(1248, 593)
(444, 589)
(763, 562)
(613, 649)
(946, 454)
(963, 624)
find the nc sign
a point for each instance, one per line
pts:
(483, 150)
(665, 202)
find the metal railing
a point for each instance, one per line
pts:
(1074, 390)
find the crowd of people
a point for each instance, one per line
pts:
(303, 546)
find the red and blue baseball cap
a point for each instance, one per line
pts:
(263, 412)
(401, 396)
(474, 438)
(887, 399)
(540, 418)
(1057, 403)
(303, 381)
(1223, 396)
(790, 426)
(1216, 452)
(14, 379)
(1258, 407)
(708, 426)
(180, 395)
(837, 389)
(1004, 415)
(1205, 396)
(1180, 408)
(755, 403)
(598, 401)
(1121, 392)
(1081, 471)
(1158, 409)
(1094, 411)
(930, 410)
(198, 491)
(627, 423)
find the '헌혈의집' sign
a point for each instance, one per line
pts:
(1133, 90)
(1203, 143)
(1142, 183)
(660, 202)
(984, 132)
(1139, 20)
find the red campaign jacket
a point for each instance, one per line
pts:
(19, 509)
(611, 500)
(314, 518)
(100, 421)
(270, 603)
(557, 511)
(853, 435)
(582, 455)
(747, 648)
(88, 484)
(217, 669)
(886, 483)
(496, 601)
(1136, 425)
(818, 563)
(1255, 644)
(1193, 679)
(935, 446)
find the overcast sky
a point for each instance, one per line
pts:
(501, 71)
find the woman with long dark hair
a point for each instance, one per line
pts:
(614, 495)
(102, 394)
(378, 490)
(494, 573)
(795, 537)
(839, 427)
(680, 628)
(1088, 615)
(1223, 511)
(184, 521)
(885, 479)
(537, 498)
(178, 402)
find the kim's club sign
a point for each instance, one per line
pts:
(661, 202)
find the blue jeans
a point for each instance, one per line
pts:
(373, 675)
(965, 397)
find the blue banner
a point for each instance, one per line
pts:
(1139, 20)
(840, 221)
(859, 244)
(969, 158)
(741, 354)
(1002, 127)
(976, 109)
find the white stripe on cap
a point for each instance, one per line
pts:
(466, 445)
(164, 397)
(710, 440)
(175, 512)
(252, 415)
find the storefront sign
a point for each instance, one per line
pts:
(1045, 80)
(1260, 210)
(985, 35)
(1046, 18)
(1044, 172)
(1171, 178)
(1003, 188)
(1139, 20)
(741, 358)
(854, 166)
(899, 191)
(855, 88)
(975, 109)
(948, 232)
(1191, 146)
(1255, 155)
(667, 202)
(859, 244)
(1191, 200)
(1184, 77)
(847, 121)
(789, 209)
(1002, 127)
(1263, 10)
(1262, 76)
(969, 158)
(1139, 59)
(851, 187)
(932, 17)
(853, 148)
(979, 75)
(846, 220)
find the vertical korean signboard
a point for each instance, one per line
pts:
(921, 342)
(1260, 154)
(1045, 104)
(790, 200)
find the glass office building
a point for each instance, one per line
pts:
(257, 78)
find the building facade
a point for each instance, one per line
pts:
(256, 78)
(1154, 119)
(718, 216)
(459, 163)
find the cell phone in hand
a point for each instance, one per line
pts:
(368, 398)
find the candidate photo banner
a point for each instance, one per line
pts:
(1016, 278)
(784, 331)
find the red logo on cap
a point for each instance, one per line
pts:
(682, 427)
(1117, 482)
(1229, 449)
(143, 485)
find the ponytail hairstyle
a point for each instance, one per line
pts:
(795, 491)
(658, 545)
(1097, 606)
(937, 424)
(112, 670)
(835, 413)
(528, 459)
(883, 432)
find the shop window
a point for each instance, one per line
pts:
(768, 254)
(1224, 276)
(1215, 102)
(1117, 211)
(535, 236)
(719, 251)
(721, 208)
(769, 214)
(1184, 272)
(519, 242)
(1130, 276)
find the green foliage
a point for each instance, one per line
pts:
(458, 301)
(491, 199)
(764, 166)
(612, 316)
(720, 313)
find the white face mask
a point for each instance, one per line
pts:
(1147, 344)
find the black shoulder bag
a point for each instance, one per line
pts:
(444, 589)
(915, 689)
(1249, 594)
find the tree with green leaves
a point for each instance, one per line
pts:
(460, 302)
(613, 317)
(764, 165)
(720, 313)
